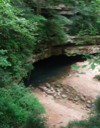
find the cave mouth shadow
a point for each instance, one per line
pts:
(50, 67)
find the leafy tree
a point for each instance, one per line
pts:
(17, 36)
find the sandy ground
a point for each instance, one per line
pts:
(61, 111)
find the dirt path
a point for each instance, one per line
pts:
(69, 97)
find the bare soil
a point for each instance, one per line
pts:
(79, 90)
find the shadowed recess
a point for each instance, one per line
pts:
(51, 67)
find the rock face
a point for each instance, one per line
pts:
(73, 45)
(64, 49)
(58, 91)
(91, 49)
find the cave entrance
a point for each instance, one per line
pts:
(50, 68)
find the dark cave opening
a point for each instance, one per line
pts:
(51, 67)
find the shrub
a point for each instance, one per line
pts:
(18, 106)
(97, 105)
(35, 122)
(97, 77)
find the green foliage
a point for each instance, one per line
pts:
(24, 28)
(17, 105)
(52, 32)
(35, 123)
(97, 105)
(3, 59)
(97, 77)
(93, 66)
(17, 40)
(75, 67)
(85, 21)
(93, 122)
(55, 29)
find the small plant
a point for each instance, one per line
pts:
(97, 77)
(97, 105)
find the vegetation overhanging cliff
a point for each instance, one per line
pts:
(26, 26)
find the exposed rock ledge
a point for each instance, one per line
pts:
(67, 50)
